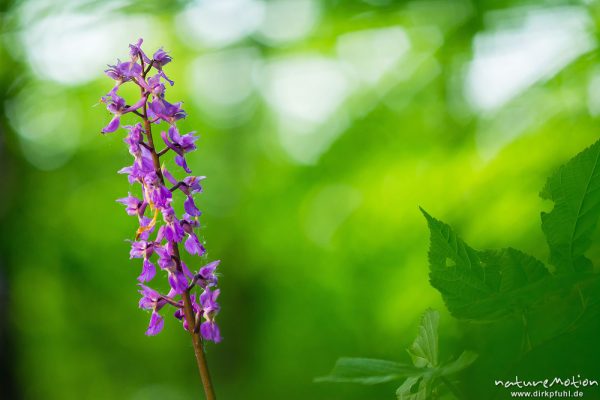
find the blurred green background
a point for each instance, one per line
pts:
(324, 125)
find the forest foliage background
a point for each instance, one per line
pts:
(324, 126)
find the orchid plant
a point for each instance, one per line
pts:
(193, 295)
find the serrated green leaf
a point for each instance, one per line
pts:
(463, 361)
(414, 388)
(482, 285)
(424, 350)
(575, 191)
(368, 371)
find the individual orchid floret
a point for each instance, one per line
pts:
(142, 167)
(136, 53)
(124, 71)
(148, 271)
(156, 193)
(144, 249)
(206, 276)
(192, 184)
(116, 105)
(151, 299)
(190, 207)
(193, 245)
(134, 139)
(178, 281)
(133, 205)
(155, 86)
(165, 257)
(209, 329)
(156, 324)
(141, 249)
(146, 227)
(162, 109)
(159, 60)
(171, 230)
(180, 144)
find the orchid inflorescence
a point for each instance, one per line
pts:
(155, 238)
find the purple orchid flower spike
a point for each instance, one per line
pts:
(161, 232)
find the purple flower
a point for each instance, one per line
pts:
(165, 257)
(148, 271)
(160, 108)
(178, 281)
(172, 229)
(180, 145)
(141, 249)
(193, 184)
(134, 138)
(161, 58)
(210, 331)
(123, 72)
(206, 277)
(156, 324)
(208, 300)
(190, 207)
(146, 226)
(151, 299)
(132, 204)
(136, 52)
(210, 307)
(189, 223)
(193, 245)
(142, 166)
(157, 194)
(155, 86)
(116, 105)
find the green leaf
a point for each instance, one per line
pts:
(463, 361)
(575, 191)
(424, 350)
(368, 371)
(414, 388)
(482, 285)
